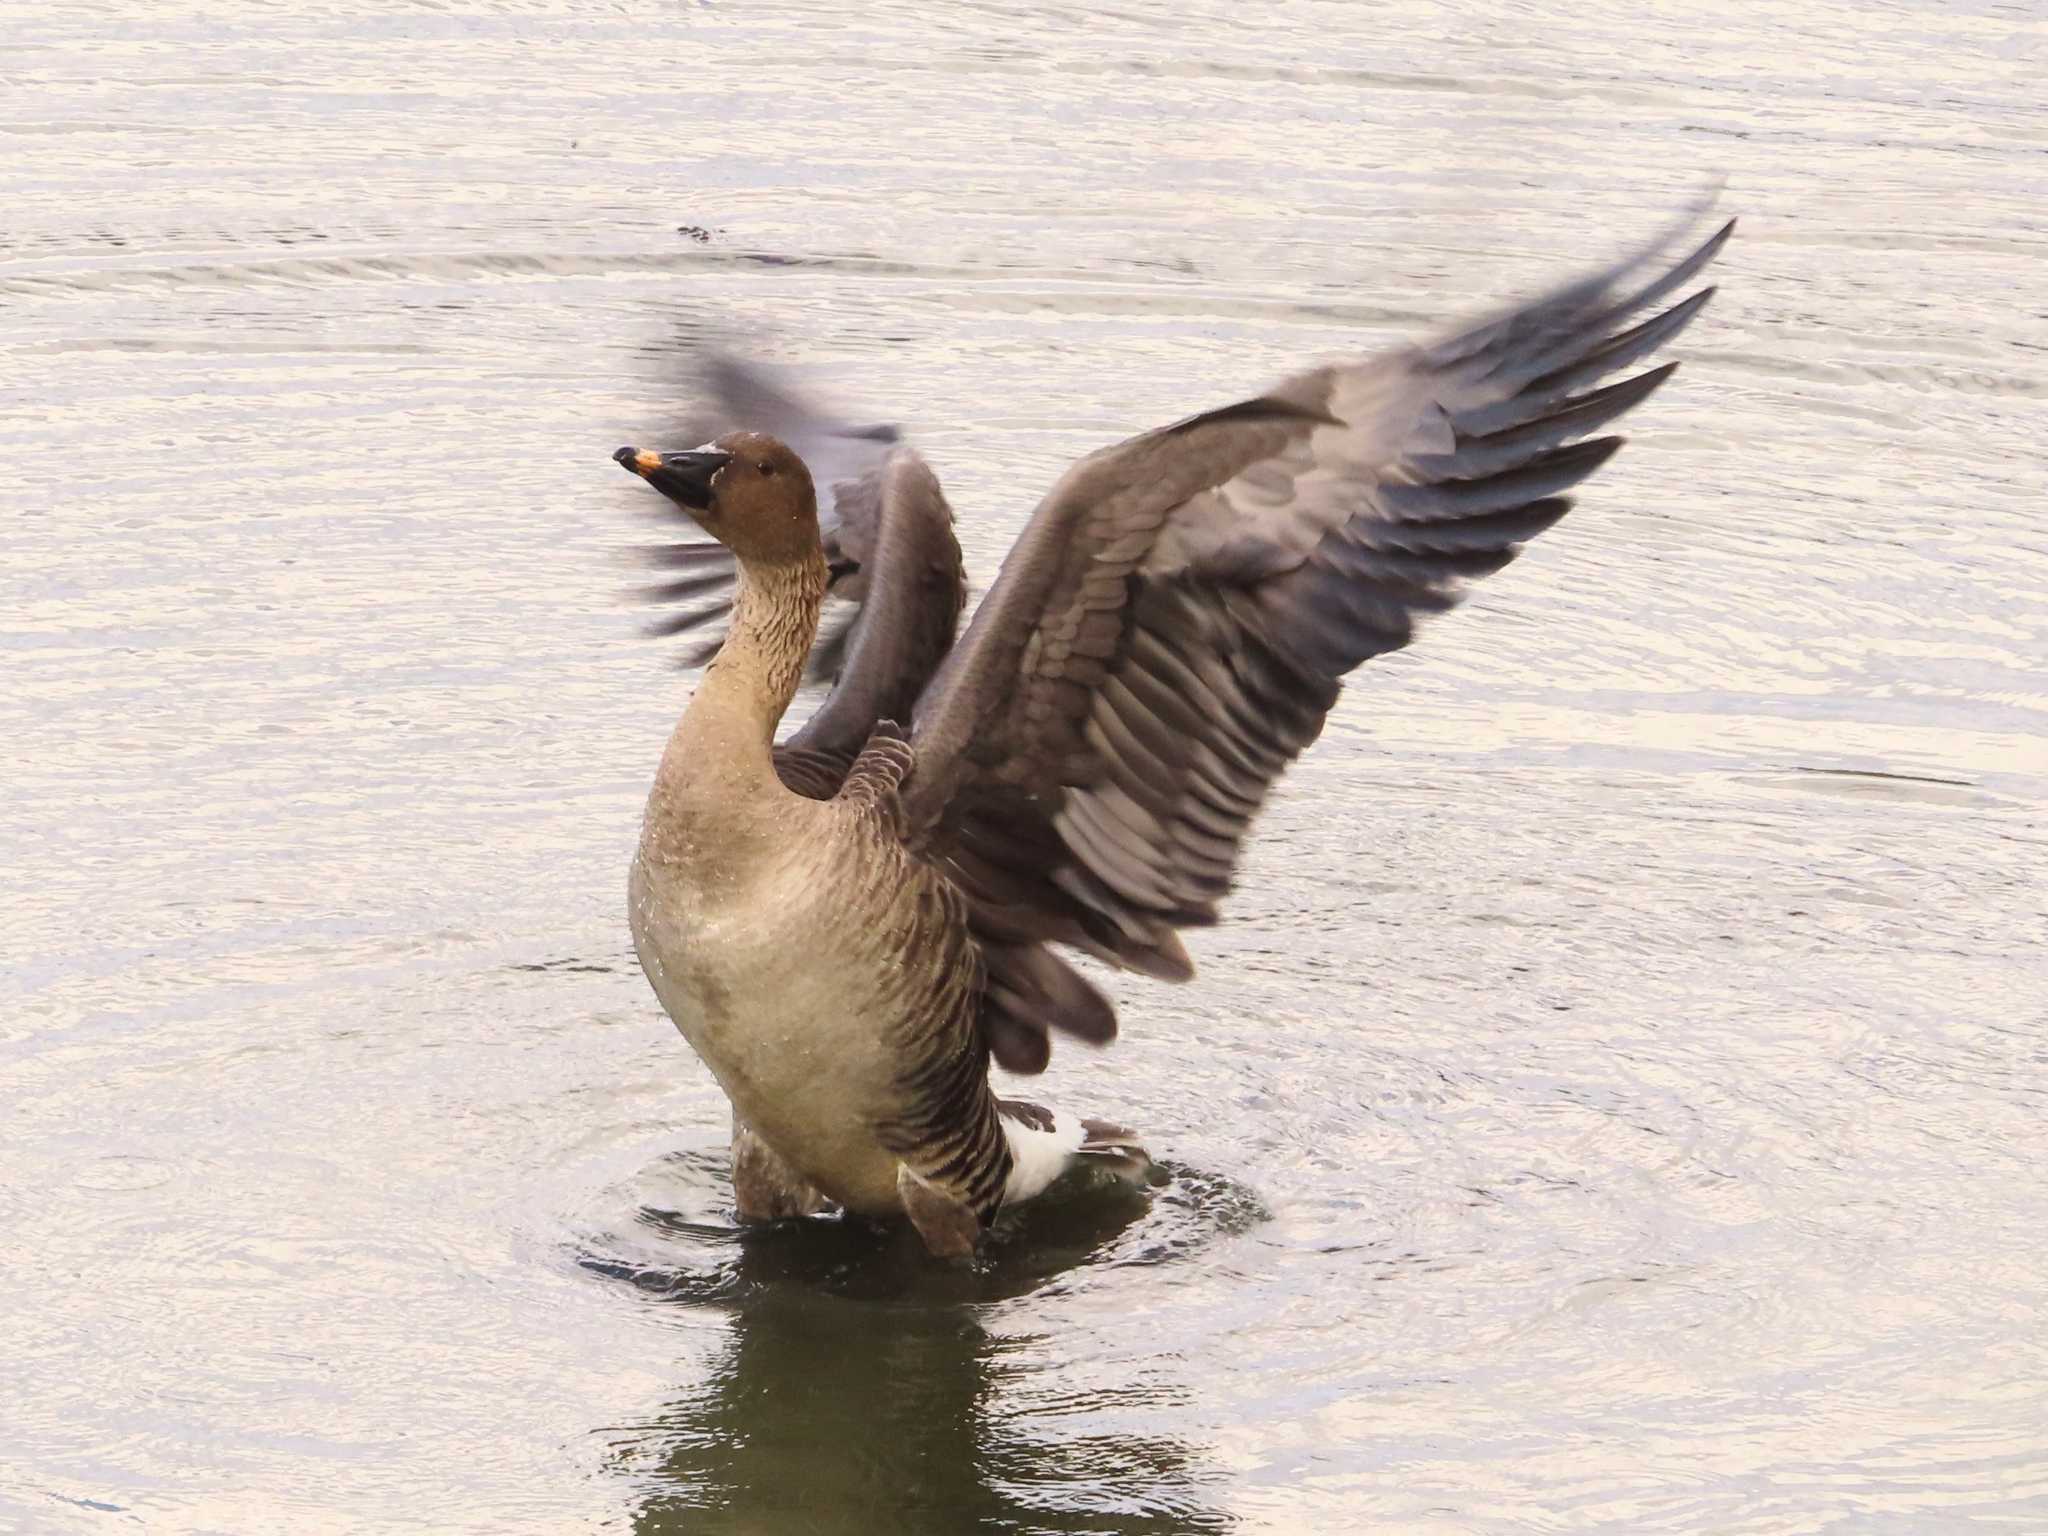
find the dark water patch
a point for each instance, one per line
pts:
(100, 1505)
(821, 1415)
(862, 1385)
(685, 1247)
(1879, 784)
(1878, 773)
(568, 964)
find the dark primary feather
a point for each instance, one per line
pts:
(1176, 619)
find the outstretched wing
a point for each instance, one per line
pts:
(1174, 623)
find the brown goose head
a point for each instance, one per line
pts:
(747, 490)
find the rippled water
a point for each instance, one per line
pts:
(1616, 1103)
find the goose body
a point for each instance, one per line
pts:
(774, 927)
(821, 1058)
(851, 926)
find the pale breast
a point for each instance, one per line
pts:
(786, 971)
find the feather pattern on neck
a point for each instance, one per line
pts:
(719, 763)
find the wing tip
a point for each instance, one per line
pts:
(1593, 451)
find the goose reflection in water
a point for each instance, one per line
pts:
(864, 1389)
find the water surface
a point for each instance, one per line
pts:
(1615, 1103)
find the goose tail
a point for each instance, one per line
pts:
(1046, 1145)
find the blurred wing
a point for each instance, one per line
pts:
(890, 553)
(847, 464)
(1174, 623)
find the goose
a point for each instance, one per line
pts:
(850, 927)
